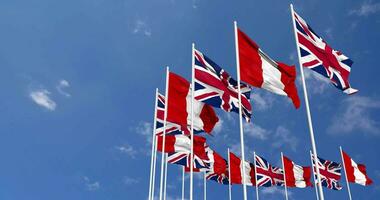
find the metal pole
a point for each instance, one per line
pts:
(310, 123)
(164, 132)
(192, 122)
(183, 183)
(229, 175)
(166, 175)
(257, 187)
(345, 174)
(240, 109)
(204, 187)
(283, 167)
(312, 167)
(152, 160)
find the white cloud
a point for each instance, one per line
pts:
(141, 27)
(283, 137)
(315, 82)
(91, 186)
(127, 149)
(61, 86)
(328, 33)
(367, 8)
(41, 98)
(255, 131)
(145, 129)
(274, 191)
(218, 127)
(130, 181)
(262, 101)
(355, 114)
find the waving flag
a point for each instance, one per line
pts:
(259, 70)
(317, 55)
(179, 105)
(171, 128)
(236, 171)
(296, 176)
(356, 173)
(217, 170)
(179, 143)
(330, 173)
(215, 87)
(267, 175)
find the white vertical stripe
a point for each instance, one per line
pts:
(360, 178)
(272, 78)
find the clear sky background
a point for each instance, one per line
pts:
(77, 88)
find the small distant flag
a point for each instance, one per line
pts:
(171, 128)
(317, 55)
(296, 176)
(236, 171)
(356, 173)
(214, 86)
(330, 173)
(259, 70)
(268, 175)
(179, 102)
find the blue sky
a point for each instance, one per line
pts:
(78, 80)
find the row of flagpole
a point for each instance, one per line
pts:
(163, 174)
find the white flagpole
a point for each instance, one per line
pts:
(192, 122)
(229, 175)
(204, 187)
(166, 175)
(312, 169)
(345, 173)
(254, 164)
(240, 107)
(154, 168)
(183, 183)
(283, 167)
(314, 148)
(152, 173)
(164, 133)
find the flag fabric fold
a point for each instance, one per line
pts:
(330, 173)
(268, 175)
(171, 128)
(356, 173)
(215, 87)
(179, 107)
(217, 170)
(236, 170)
(259, 70)
(318, 56)
(295, 175)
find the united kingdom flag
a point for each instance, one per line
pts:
(214, 86)
(330, 173)
(183, 158)
(317, 55)
(268, 175)
(171, 128)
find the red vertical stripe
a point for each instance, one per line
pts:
(289, 173)
(169, 143)
(288, 78)
(236, 176)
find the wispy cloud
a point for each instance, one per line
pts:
(274, 191)
(355, 114)
(218, 127)
(145, 129)
(130, 180)
(283, 137)
(141, 27)
(61, 86)
(262, 100)
(317, 83)
(91, 186)
(127, 149)
(41, 97)
(256, 131)
(366, 8)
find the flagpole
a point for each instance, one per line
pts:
(204, 187)
(254, 164)
(345, 173)
(192, 122)
(240, 109)
(166, 175)
(312, 168)
(152, 173)
(154, 167)
(183, 183)
(229, 175)
(283, 167)
(314, 148)
(164, 133)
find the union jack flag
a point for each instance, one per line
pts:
(217, 170)
(219, 178)
(183, 158)
(171, 128)
(268, 175)
(214, 86)
(330, 173)
(317, 55)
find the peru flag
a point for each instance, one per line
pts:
(236, 171)
(356, 173)
(179, 107)
(181, 143)
(296, 176)
(259, 70)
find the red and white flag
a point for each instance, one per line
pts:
(179, 107)
(356, 173)
(259, 70)
(296, 176)
(236, 170)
